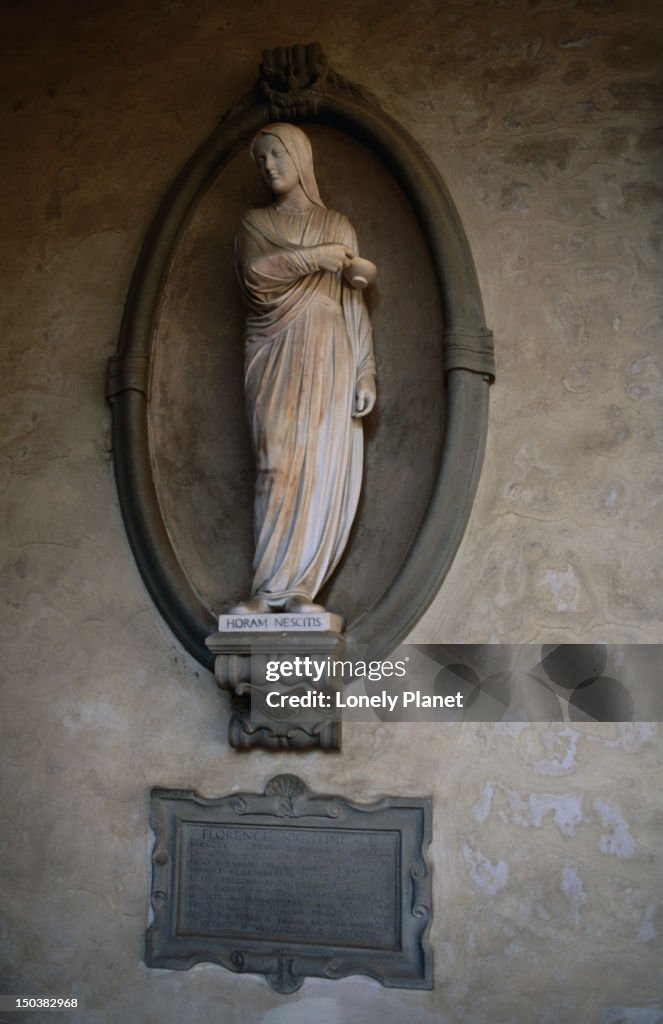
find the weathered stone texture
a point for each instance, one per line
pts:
(542, 116)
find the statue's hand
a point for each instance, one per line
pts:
(365, 395)
(334, 256)
(359, 272)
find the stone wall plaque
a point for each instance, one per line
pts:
(292, 884)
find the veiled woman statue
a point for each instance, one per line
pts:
(309, 374)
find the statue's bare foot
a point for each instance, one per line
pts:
(301, 606)
(254, 606)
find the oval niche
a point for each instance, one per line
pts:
(181, 445)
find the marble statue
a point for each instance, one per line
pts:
(309, 374)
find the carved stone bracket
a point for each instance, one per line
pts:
(239, 667)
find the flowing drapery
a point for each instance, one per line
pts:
(308, 341)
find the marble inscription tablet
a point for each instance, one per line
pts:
(292, 884)
(281, 622)
(230, 885)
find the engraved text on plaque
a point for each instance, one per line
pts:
(289, 883)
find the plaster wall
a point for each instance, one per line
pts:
(542, 118)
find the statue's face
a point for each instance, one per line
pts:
(275, 164)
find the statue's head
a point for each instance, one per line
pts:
(284, 158)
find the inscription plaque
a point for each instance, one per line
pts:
(292, 884)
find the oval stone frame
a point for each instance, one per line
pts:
(467, 355)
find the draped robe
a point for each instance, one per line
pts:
(308, 342)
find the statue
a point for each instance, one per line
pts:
(309, 374)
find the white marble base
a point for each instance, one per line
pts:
(280, 622)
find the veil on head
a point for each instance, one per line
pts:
(297, 146)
